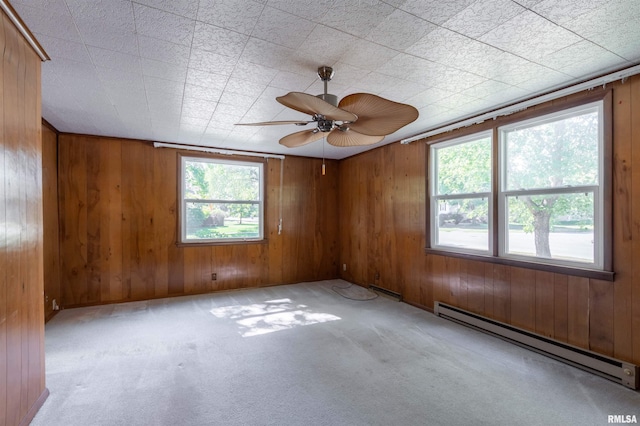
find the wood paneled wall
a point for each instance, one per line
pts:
(382, 198)
(22, 380)
(118, 206)
(51, 241)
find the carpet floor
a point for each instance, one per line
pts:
(304, 354)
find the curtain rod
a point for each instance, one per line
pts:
(24, 30)
(590, 84)
(215, 150)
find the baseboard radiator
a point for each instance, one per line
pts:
(610, 368)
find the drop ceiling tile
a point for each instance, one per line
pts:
(372, 82)
(585, 57)
(267, 54)
(200, 92)
(121, 80)
(356, 17)
(563, 11)
(407, 66)
(292, 82)
(49, 23)
(111, 59)
(57, 7)
(117, 15)
(164, 70)
(326, 44)
(483, 16)
(435, 11)
(312, 10)
(125, 42)
(507, 96)
(430, 96)
(162, 50)
(623, 40)
(63, 49)
(244, 87)
(545, 81)
(206, 79)
(154, 84)
(368, 55)
(186, 8)
(454, 50)
(237, 100)
(163, 25)
(211, 62)
(253, 72)
(282, 28)
(530, 36)
(236, 15)
(400, 30)
(454, 80)
(487, 88)
(218, 40)
(402, 90)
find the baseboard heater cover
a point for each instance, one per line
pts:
(387, 292)
(613, 369)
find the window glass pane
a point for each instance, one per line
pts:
(553, 154)
(463, 223)
(554, 226)
(222, 221)
(464, 168)
(219, 181)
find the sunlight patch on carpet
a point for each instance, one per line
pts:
(271, 316)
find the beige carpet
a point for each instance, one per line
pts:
(303, 355)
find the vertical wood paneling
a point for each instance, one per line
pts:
(51, 240)
(22, 387)
(623, 331)
(118, 202)
(578, 315)
(545, 286)
(4, 243)
(560, 307)
(623, 259)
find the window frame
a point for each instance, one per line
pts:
(434, 196)
(598, 189)
(606, 272)
(182, 202)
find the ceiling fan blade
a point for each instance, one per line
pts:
(275, 123)
(301, 138)
(376, 115)
(349, 137)
(312, 105)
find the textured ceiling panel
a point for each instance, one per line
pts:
(186, 71)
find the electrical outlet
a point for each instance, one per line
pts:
(376, 276)
(344, 266)
(214, 276)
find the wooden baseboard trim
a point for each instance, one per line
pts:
(34, 408)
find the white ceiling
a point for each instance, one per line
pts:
(186, 71)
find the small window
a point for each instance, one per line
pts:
(461, 194)
(221, 200)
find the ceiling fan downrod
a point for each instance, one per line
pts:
(326, 74)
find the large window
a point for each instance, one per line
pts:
(541, 184)
(221, 200)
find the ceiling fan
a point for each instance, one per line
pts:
(358, 119)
